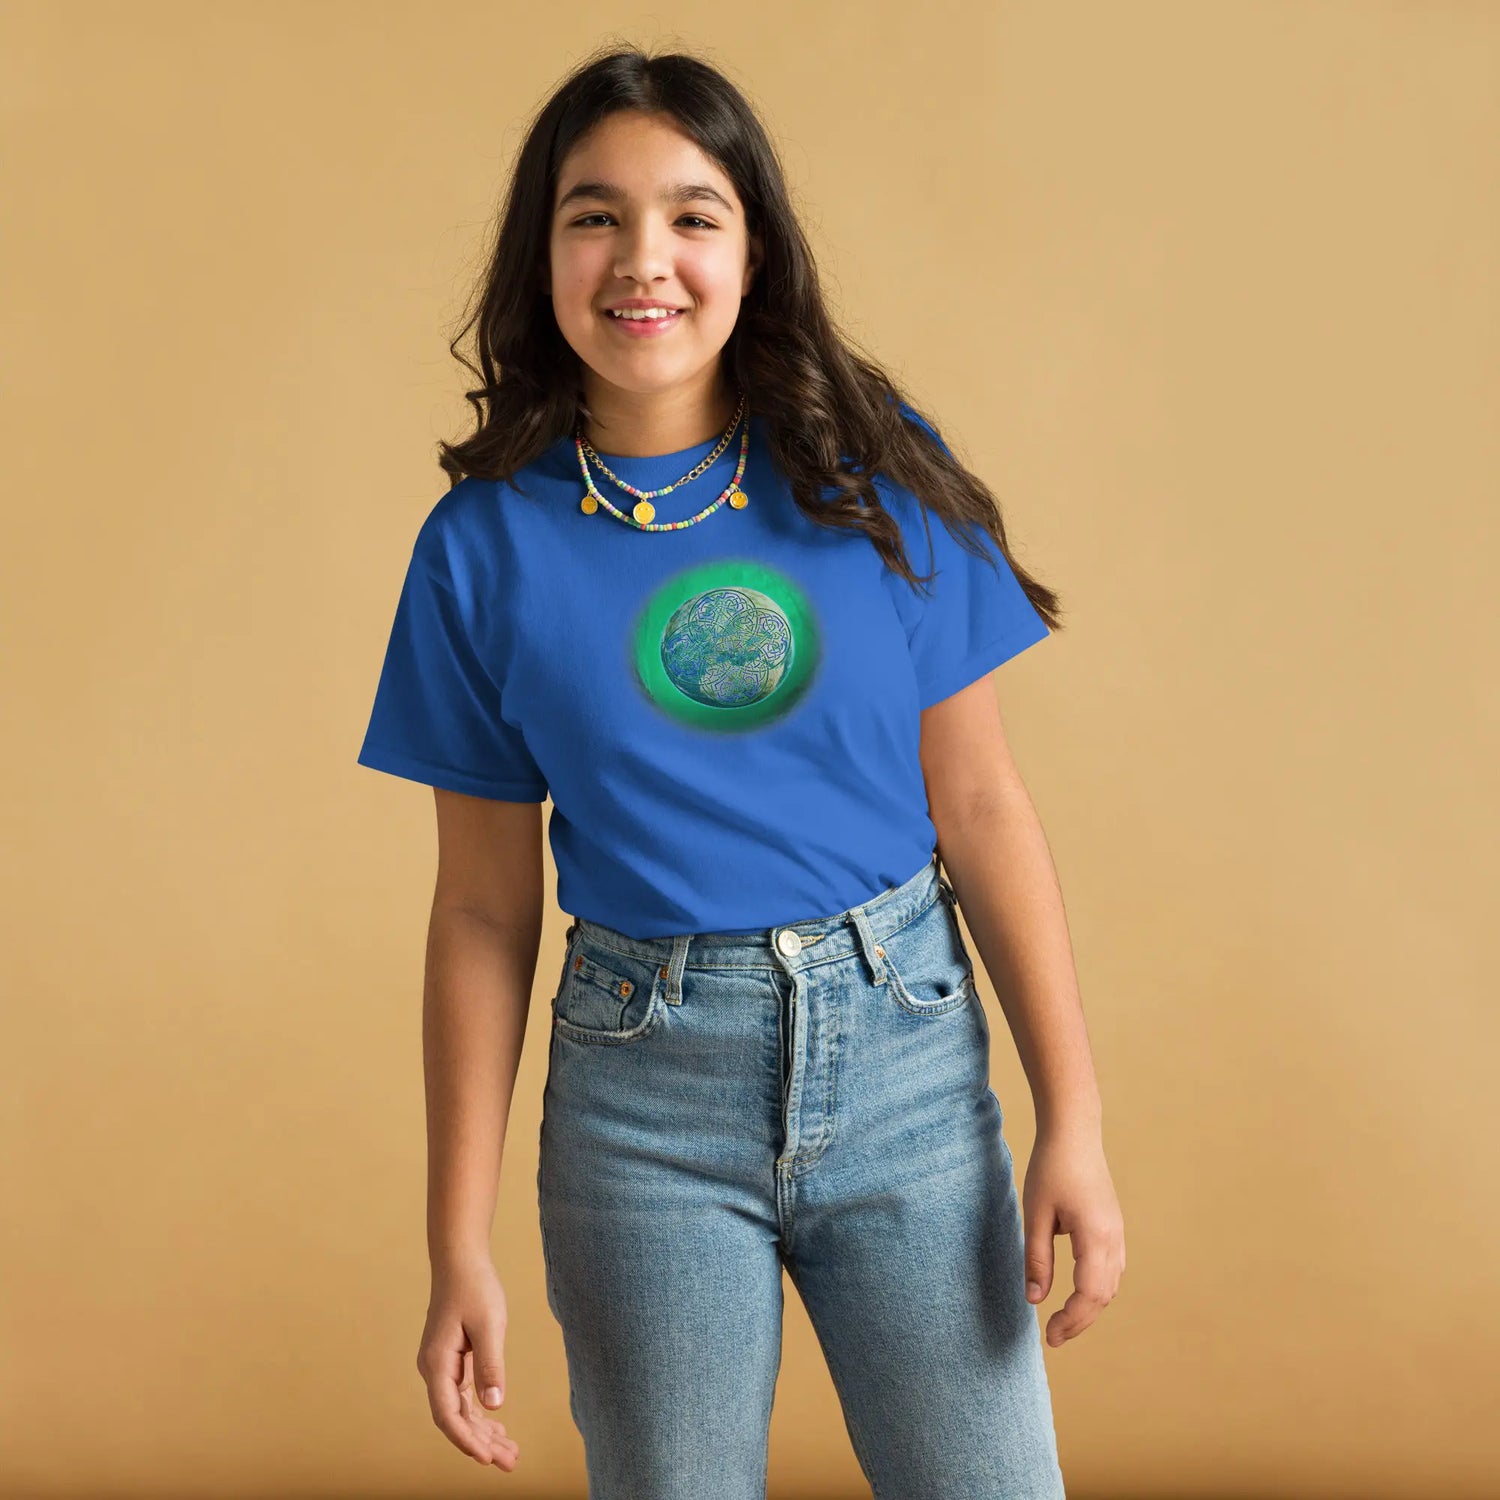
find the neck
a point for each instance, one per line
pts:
(630, 425)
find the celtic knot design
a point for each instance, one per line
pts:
(727, 647)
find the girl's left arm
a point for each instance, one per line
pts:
(996, 857)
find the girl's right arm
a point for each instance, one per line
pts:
(483, 938)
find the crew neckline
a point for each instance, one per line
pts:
(678, 454)
(657, 458)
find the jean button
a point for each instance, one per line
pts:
(789, 942)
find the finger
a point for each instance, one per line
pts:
(503, 1449)
(445, 1386)
(480, 1420)
(1039, 1255)
(492, 1432)
(1094, 1283)
(1075, 1315)
(489, 1364)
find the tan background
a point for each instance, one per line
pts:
(1206, 291)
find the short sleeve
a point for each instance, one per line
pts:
(974, 615)
(436, 717)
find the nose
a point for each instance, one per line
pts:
(643, 253)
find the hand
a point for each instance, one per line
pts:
(462, 1347)
(1068, 1191)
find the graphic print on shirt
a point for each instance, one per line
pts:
(731, 645)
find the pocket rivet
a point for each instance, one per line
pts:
(578, 962)
(625, 986)
(663, 971)
(880, 950)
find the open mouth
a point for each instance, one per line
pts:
(638, 326)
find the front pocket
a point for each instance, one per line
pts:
(927, 966)
(606, 996)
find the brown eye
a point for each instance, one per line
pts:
(699, 221)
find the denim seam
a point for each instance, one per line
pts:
(943, 1006)
(921, 911)
(774, 967)
(836, 1035)
(587, 1036)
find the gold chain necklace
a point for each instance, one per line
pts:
(643, 510)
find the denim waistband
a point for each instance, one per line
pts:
(814, 941)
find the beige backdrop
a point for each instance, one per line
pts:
(1206, 291)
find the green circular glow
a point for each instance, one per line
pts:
(651, 628)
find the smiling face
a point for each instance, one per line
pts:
(641, 213)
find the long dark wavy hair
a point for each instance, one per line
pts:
(832, 416)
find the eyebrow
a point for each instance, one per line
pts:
(678, 192)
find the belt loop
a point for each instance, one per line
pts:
(943, 884)
(873, 956)
(671, 971)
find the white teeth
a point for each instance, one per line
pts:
(637, 313)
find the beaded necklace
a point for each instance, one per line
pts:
(643, 510)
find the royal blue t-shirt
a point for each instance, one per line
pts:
(725, 716)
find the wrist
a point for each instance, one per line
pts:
(1069, 1120)
(457, 1259)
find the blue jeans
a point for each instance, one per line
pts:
(814, 1097)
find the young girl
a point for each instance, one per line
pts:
(671, 586)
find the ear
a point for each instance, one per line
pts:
(754, 259)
